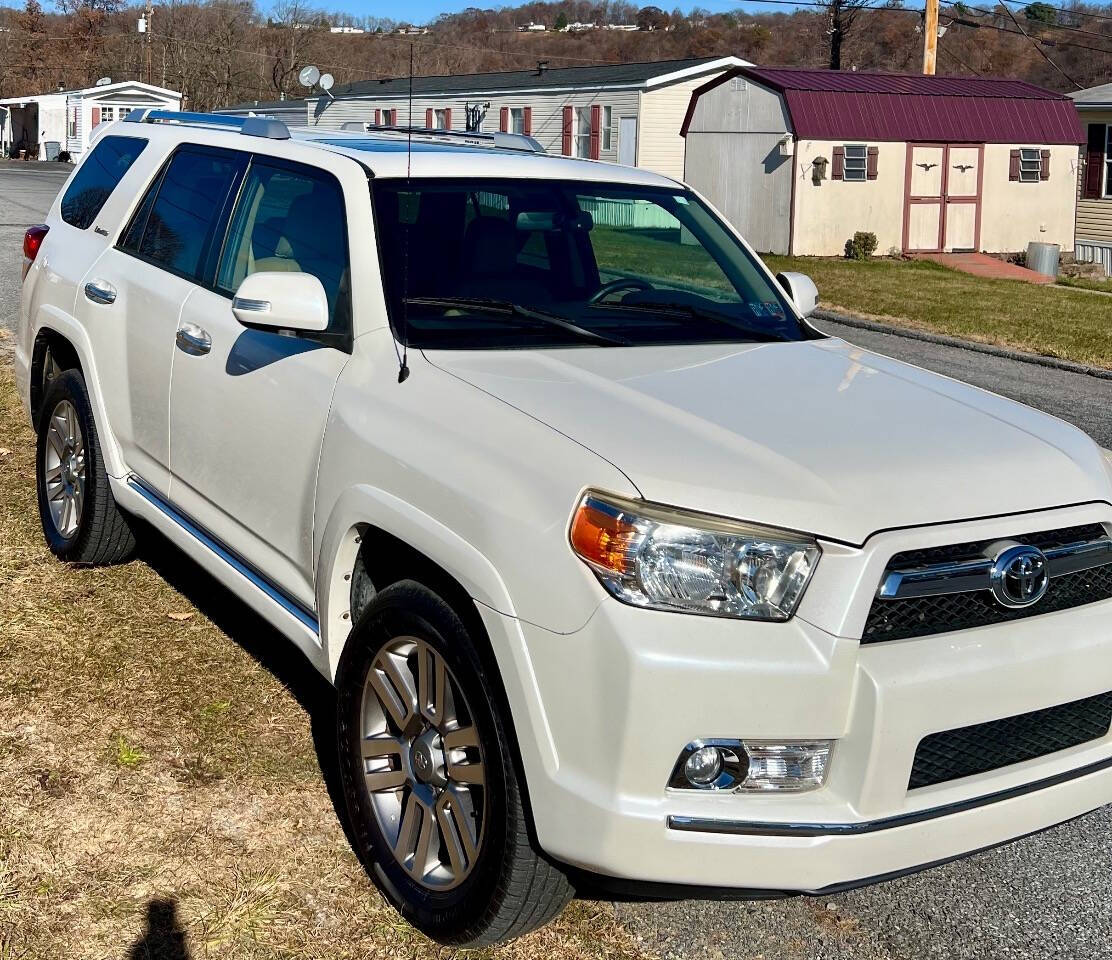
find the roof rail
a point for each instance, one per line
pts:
(266, 127)
(504, 141)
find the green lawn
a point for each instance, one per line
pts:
(1068, 324)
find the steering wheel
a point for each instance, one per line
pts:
(622, 283)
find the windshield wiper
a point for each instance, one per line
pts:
(699, 313)
(507, 308)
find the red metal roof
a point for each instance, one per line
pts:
(842, 105)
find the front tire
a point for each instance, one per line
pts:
(80, 519)
(429, 780)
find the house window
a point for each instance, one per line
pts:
(72, 125)
(583, 132)
(107, 114)
(124, 111)
(607, 128)
(1030, 165)
(441, 119)
(390, 118)
(517, 120)
(857, 162)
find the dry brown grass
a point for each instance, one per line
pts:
(161, 757)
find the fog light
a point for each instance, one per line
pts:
(752, 765)
(703, 766)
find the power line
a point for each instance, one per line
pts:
(1042, 52)
(959, 61)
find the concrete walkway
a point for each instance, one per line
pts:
(982, 265)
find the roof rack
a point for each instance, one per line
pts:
(504, 141)
(266, 127)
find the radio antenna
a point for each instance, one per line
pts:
(403, 369)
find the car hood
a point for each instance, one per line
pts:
(818, 436)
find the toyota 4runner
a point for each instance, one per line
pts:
(627, 576)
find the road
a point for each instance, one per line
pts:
(1043, 897)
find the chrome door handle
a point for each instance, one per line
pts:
(100, 291)
(193, 340)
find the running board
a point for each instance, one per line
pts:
(265, 597)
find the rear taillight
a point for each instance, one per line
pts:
(33, 239)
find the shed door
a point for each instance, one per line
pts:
(943, 197)
(923, 217)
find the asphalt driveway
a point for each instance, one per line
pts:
(1043, 897)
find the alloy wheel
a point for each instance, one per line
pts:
(64, 469)
(423, 763)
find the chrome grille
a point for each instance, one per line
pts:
(940, 589)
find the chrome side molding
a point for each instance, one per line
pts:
(969, 576)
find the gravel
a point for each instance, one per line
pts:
(1042, 897)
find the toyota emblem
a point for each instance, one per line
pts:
(1020, 576)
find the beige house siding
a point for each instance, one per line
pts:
(1014, 213)
(660, 147)
(1094, 217)
(829, 213)
(548, 108)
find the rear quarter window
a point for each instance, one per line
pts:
(97, 177)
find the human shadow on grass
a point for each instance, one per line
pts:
(271, 649)
(163, 938)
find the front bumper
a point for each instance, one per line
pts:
(617, 701)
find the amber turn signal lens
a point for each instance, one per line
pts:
(603, 537)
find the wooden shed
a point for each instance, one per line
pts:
(799, 160)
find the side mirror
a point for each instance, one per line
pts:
(282, 301)
(802, 291)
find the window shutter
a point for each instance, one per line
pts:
(96, 115)
(596, 129)
(428, 119)
(569, 114)
(528, 121)
(448, 119)
(1044, 166)
(1094, 162)
(838, 167)
(504, 119)
(378, 116)
(1013, 165)
(874, 159)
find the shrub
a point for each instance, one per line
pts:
(862, 246)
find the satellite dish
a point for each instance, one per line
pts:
(308, 76)
(326, 81)
(104, 81)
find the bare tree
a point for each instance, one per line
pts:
(842, 15)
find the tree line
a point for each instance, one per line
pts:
(221, 52)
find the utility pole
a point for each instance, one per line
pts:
(930, 37)
(150, 13)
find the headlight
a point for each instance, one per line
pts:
(667, 559)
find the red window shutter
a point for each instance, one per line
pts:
(528, 121)
(1094, 161)
(569, 115)
(596, 123)
(448, 119)
(504, 119)
(428, 119)
(874, 160)
(96, 115)
(1044, 167)
(838, 167)
(378, 117)
(1013, 165)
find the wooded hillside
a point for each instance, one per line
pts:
(228, 51)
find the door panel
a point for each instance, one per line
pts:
(627, 141)
(922, 226)
(962, 171)
(246, 423)
(961, 226)
(926, 171)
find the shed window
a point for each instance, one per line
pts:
(1030, 165)
(857, 160)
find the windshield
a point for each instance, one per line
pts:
(526, 263)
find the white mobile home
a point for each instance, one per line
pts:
(1094, 199)
(42, 125)
(627, 113)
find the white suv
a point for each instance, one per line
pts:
(629, 580)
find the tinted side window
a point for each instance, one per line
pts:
(191, 196)
(91, 187)
(290, 219)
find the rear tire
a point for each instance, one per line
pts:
(469, 892)
(80, 518)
